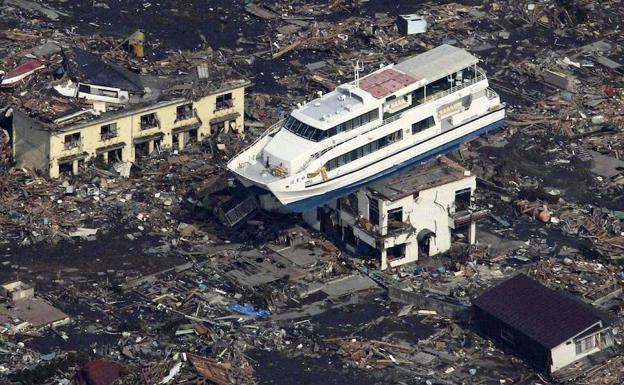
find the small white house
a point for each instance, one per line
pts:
(406, 217)
(548, 328)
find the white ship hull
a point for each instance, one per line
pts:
(305, 167)
(306, 198)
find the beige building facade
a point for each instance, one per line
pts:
(125, 136)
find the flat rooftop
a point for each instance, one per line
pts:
(423, 68)
(434, 173)
(437, 63)
(35, 311)
(332, 106)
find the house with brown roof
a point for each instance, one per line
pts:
(548, 328)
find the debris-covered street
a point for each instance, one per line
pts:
(137, 246)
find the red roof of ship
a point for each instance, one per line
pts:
(386, 82)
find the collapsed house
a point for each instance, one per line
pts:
(20, 309)
(404, 218)
(548, 328)
(91, 108)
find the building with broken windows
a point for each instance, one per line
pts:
(94, 110)
(406, 217)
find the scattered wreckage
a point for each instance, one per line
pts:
(168, 294)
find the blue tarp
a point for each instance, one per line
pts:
(249, 310)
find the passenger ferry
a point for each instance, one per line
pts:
(393, 118)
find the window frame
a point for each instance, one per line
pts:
(187, 114)
(111, 133)
(423, 124)
(146, 126)
(362, 151)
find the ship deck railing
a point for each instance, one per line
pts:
(465, 83)
(271, 130)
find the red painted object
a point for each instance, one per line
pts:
(610, 92)
(13, 77)
(100, 372)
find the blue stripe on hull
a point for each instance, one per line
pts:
(318, 200)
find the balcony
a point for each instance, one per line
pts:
(71, 145)
(465, 217)
(480, 76)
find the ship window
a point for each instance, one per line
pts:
(301, 129)
(423, 125)
(354, 123)
(289, 122)
(418, 96)
(364, 150)
(318, 135)
(439, 85)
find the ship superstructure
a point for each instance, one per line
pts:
(362, 131)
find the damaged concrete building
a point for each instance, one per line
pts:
(93, 109)
(406, 217)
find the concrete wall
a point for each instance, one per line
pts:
(50, 146)
(563, 355)
(31, 144)
(430, 210)
(443, 307)
(207, 111)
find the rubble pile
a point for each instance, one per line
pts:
(591, 280)
(552, 183)
(100, 200)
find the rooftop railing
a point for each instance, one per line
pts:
(465, 83)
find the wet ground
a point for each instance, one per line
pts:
(277, 369)
(372, 318)
(534, 159)
(94, 260)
